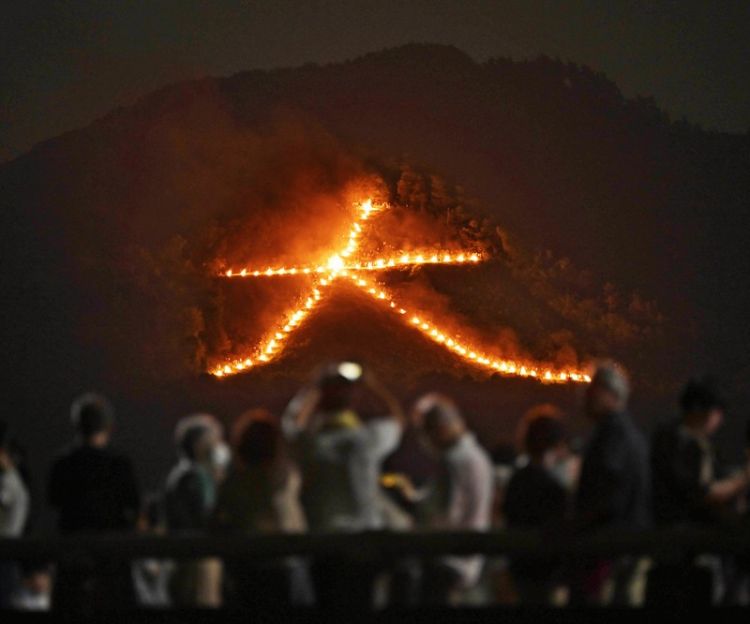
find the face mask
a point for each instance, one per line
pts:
(560, 470)
(221, 455)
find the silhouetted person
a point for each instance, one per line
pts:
(460, 498)
(94, 491)
(687, 487)
(536, 499)
(261, 496)
(14, 510)
(341, 456)
(688, 490)
(614, 487)
(190, 498)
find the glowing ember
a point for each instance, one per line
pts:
(346, 263)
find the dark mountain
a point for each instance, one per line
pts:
(613, 231)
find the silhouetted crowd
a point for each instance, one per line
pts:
(320, 467)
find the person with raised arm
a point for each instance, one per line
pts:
(341, 456)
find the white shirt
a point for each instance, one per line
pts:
(14, 503)
(342, 468)
(26, 600)
(465, 496)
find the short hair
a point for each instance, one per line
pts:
(256, 437)
(91, 413)
(191, 429)
(701, 394)
(438, 410)
(613, 377)
(541, 411)
(543, 433)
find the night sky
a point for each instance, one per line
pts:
(65, 63)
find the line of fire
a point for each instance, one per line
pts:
(347, 263)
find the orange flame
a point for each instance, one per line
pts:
(346, 264)
(273, 345)
(336, 263)
(472, 354)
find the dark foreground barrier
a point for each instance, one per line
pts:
(667, 546)
(659, 545)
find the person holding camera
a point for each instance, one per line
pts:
(341, 456)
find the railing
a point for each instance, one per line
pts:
(659, 545)
(669, 546)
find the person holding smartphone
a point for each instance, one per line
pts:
(341, 456)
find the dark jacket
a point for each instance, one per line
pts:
(93, 489)
(678, 460)
(190, 497)
(614, 488)
(534, 499)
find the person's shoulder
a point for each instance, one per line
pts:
(183, 485)
(378, 429)
(348, 437)
(180, 472)
(118, 458)
(666, 433)
(533, 476)
(623, 427)
(68, 450)
(191, 478)
(382, 426)
(65, 455)
(474, 448)
(619, 421)
(526, 472)
(522, 476)
(516, 486)
(472, 455)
